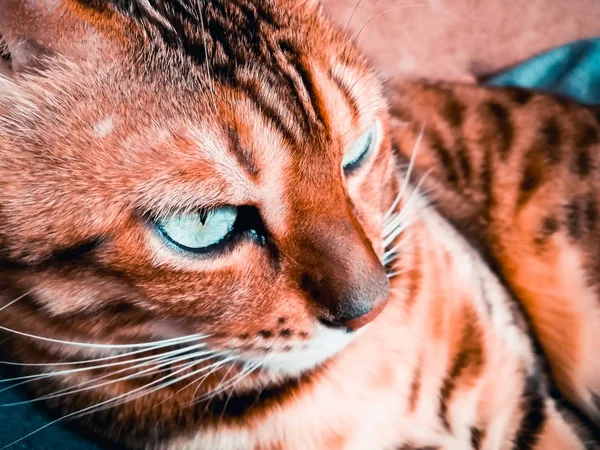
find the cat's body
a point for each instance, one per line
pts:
(518, 173)
(251, 110)
(449, 364)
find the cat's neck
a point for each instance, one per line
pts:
(465, 329)
(442, 279)
(444, 310)
(442, 366)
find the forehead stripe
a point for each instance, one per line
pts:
(244, 157)
(234, 40)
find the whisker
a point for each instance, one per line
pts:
(395, 274)
(91, 409)
(73, 414)
(231, 383)
(391, 227)
(160, 368)
(198, 387)
(352, 40)
(393, 255)
(245, 373)
(352, 16)
(411, 164)
(102, 366)
(74, 389)
(105, 346)
(395, 232)
(201, 380)
(213, 368)
(395, 249)
(87, 361)
(16, 300)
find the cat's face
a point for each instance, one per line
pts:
(230, 184)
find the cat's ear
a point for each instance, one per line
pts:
(33, 31)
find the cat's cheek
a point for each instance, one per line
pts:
(82, 291)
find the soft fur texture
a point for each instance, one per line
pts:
(517, 173)
(343, 313)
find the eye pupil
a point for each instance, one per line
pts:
(203, 215)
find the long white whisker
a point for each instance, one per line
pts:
(230, 383)
(411, 164)
(16, 300)
(201, 380)
(103, 366)
(92, 408)
(212, 368)
(406, 209)
(392, 255)
(391, 239)
(224, 376)
(149, 371)
(395, 274)
(105, 346)
(395, 231)
(242, 375)
(149, 360)
(87, 361)
(394, 250)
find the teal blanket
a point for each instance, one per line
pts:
(572, 70)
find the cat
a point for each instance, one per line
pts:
(518, 173)
(208, 241)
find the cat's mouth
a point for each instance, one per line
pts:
(284, 357)
(295, 359)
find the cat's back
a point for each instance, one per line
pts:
(518, 172)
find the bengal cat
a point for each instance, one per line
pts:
(518, 173)
(208, 242)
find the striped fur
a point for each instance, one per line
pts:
(116, 112)
(518, 173)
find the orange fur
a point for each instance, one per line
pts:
(130, 112)
(522, 219)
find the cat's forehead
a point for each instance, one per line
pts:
(237, 43)
(205, 76)
(276, 53)
(223, 35)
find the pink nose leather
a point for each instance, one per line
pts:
(361, 321)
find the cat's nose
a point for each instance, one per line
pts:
(353, 319)
(347, 284)
(352, 300)
(339, 272)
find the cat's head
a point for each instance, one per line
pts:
(184, 168)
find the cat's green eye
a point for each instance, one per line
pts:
(198, 231)
(360, 149)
